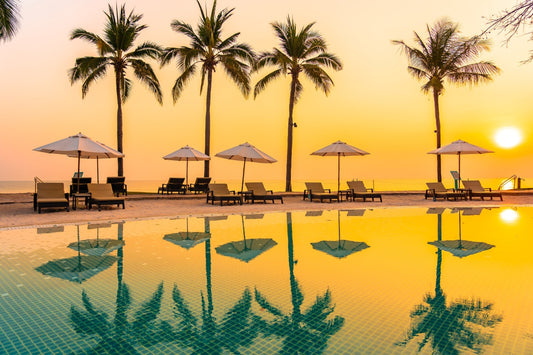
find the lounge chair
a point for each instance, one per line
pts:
(359, 190)
(257, 191)
(50, 195)
(83, 185)
(475, 189)
(201, 185)
(102, 194)
(437, 190)
(173, 185)
(118, 185)
(314, 190)
(220, 192)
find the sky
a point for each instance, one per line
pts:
(375, 104)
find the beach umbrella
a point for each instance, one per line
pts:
(96, 246)
(246, 249)
(246, 152)
(339, 248)
(339, 149)
(187, 239)
(77, 268)
(76, 146)
(460, 147)
(187, 154)
(460, 247)
(110, 153)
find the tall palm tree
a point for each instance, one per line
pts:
(207, 49)
(300, 51)
(445, 55)
(9, 19)
(302, 332)
(115, 50)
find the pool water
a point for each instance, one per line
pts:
(332, 282)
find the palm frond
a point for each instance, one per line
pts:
(91, 77)
(263, 302)
(318, 76)
(144, 72)
(326, 60)
(146, 50)
(262, 83)
(181, 81)
(9, 19)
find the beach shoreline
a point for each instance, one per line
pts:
(16, 209)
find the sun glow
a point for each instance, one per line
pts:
(508, 137)
(509, 215)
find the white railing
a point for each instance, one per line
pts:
(36, 180)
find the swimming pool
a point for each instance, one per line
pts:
(353, 282)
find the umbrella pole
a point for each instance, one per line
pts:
(338, 171)
(186, 171)
(78, 176)
(97, 171)
(460, 244)
(243, 232)
(242, 182)
(339, 226)
(459, 157)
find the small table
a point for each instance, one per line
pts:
(79, 195)
(345, 193)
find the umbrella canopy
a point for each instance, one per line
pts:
(461, 248)
(339, 149)
(109, 153)
(187, 154)
(246, 152)
(77, 268)
(339, 248)
(78, 145)
(96, 246)
(460, 147)
(187, 239)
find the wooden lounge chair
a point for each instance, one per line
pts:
(314, 190)
(437, 190)
(118, 185)
(257, 191)
(475, 189)
(201, 185)
(359, 190)
(50, 195)
(173, 185)
(102, 194)
(83, 185)
(220, 192)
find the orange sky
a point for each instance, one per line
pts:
(375, 104)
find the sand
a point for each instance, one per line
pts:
(16, 210)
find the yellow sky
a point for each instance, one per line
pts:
(375, 104)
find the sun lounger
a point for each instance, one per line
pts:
(257, 191)
(102, 194)
(118, 185)
(50, 195)
(173, 185)
(315, 190)
(220, 192)
(201, 185)
(475, 189)
(437, 190)
(83, 185)
(359, 190)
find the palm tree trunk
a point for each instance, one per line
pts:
(120, 162)
(290, 126)
(437, 131)
(208, 121)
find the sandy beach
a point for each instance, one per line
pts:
(16, 210)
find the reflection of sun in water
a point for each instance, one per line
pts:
(508, 137)
(509, 215)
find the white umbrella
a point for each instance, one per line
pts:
(111, 153)
(78, 145)
(246, 152)
(460, 147)
(339, 149)
(187, 153)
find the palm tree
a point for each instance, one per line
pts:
(302, 332)
(115, 49)
(301, 51)
(207, 49)
(444, 55)
(461, 325)
(9, 19)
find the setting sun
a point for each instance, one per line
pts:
(508, 137)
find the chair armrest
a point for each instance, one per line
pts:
(488, 189)
(370, 189)
(328, 190)
(271, 192)
(67, 196)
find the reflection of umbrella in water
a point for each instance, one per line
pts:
(77, 268)
(339, 248)
(246, 249)
(187, 239)
(460, 247)
(96, 246)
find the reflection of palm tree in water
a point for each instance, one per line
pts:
(237, 329)
(306, 332)
(449, 329)
(120, 335)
